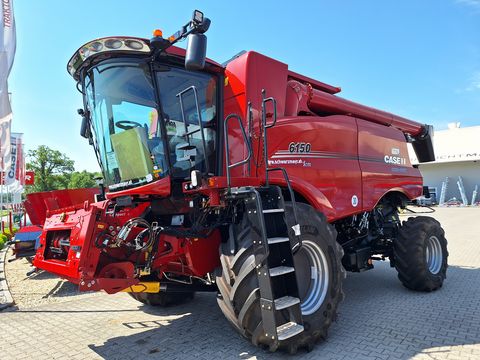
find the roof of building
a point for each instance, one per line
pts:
(452, 145)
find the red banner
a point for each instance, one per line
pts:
(30, 178)
(20, 170)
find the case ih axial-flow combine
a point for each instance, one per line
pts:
(244, 178)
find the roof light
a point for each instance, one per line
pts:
(157, 33)
(113, 44)
(96, 46)
(133, 45)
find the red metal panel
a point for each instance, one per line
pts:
(247, 76)
(160, 187)
(385, 163)
(305, 98)
(202, 254)
(323, 102)
(37, 204)
(328, 173)
(236, 103)
(82, 254)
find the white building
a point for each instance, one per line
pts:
(457, 153)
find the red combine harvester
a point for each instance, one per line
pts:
(246, 179)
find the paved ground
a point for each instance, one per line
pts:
(39, 288)
(378, 319)
(6, 299)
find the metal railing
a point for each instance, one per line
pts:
(266, 126)
(227, 147)
(200, 124)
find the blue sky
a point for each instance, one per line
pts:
(418, 59)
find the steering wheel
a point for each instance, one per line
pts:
(127, 124)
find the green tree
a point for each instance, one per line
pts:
(51, 167)
(83, 179)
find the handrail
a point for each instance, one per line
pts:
(265, 127)
(250, 129)
(274, 102)
(296, 227)
(227, 147)
(200, 124)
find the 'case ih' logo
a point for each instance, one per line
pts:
(392, 159)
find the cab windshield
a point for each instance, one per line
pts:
(141, 135)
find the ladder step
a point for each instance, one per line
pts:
(276, 240)
(288, 330)
(270, 211)
(281, 270)
(285, 302)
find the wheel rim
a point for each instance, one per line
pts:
(434, 255)
(313, 262)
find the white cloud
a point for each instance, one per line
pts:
(474, 82)
(473, 3)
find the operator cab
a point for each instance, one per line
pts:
(148, 116)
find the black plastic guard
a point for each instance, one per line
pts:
(423, 145)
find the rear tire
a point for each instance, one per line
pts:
(420, 254)
(239, 293)
(163, 299)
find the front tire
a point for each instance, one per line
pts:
(420, 254)
(319, 275)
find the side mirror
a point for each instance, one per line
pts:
(84, 130)
(196, 51)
